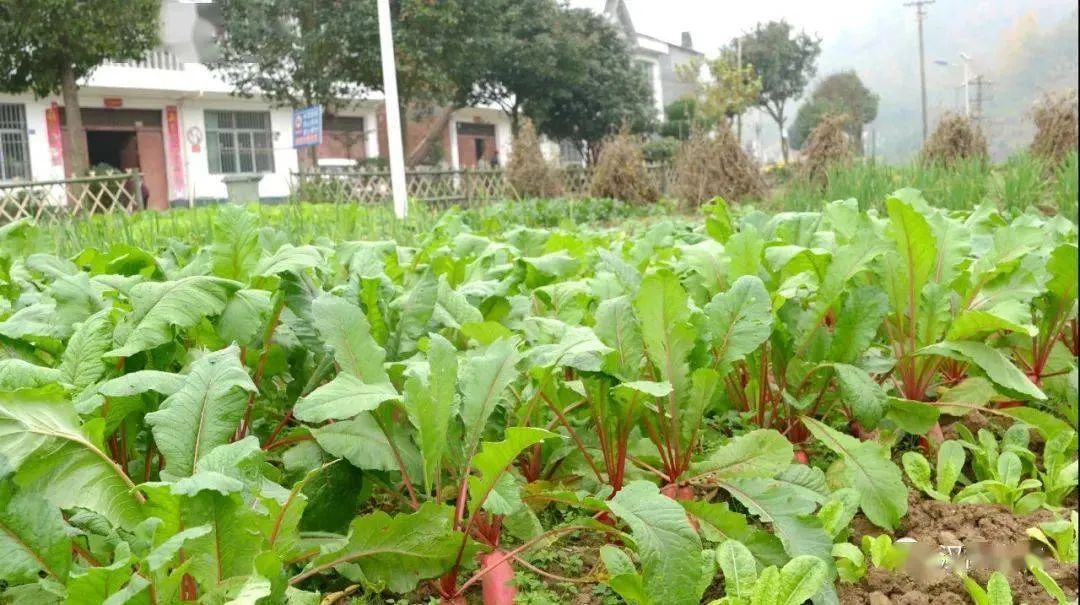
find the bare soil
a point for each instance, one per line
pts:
(992, 537)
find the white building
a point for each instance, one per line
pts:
(179, 125)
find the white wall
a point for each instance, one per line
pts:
(201, 184)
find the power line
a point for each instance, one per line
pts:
(981, 85)
(920, 14)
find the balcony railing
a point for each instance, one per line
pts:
(155, 59)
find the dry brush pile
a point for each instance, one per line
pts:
(827, 146)
(955, 138)
(709, 166)
(1055, 120)
(528, 172)
(621, 172)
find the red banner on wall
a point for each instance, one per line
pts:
(56, 137)
(175, 152)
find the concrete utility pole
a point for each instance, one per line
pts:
(967, 81)
(920, 14)
(393, 112)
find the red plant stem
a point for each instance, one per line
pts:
(573, 435)
(147, 462)
(401, 465)
(260, 366)
(85, 554)
(551, 576)
(280, 425)
(286, 441)
(511, 554)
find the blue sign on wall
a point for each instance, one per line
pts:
(307, 126)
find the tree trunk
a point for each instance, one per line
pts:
(313, 157)
(433, 134)
(75, 143)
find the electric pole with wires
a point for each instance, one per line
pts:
(920, 14)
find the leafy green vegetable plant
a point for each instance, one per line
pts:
(1059, 536)
(997, 591)
(851, 560)
(792, 584)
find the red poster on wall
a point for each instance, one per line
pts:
(56, 138)
(175, 152)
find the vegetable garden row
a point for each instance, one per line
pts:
(738, 408)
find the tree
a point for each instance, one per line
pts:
(47, 46)
(441, 51)
(292, 53)
(785, 62)
(603, 88)
(683, 116)
(841, 93)
(531, 60)
(730, 89)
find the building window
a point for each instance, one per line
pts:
(239, 142)
(14, 154)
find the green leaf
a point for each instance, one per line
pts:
(203, 414)
(767, 587)
(662, 309)
(577, 347)
(137, 383)
(917, 468)
(618, 328)
(431, 406)
(998, 591)
(345, 328)
(363, 444)
(288, 258)
(414, 311)
(485, 374)
(236, 243)
(343, 397)
(739, 320)
(851, 563)
(838, 510)
(230, 548)
(789, 512)
(18, 374)
(244, 317)
(998, 368)
(33, 537)
(667, 545)
(913, 417)
(493, 458)
(863, 396)
(857, 323)
(82, 365)
(950, 463)
(394, 552)
(759, 453)
(868, 469)
(167, 550)
(110, 585)
(452, 308)
(63, 460)
(916, 253)
(158, 307)
(739, 567)
(623, 578)
(800, 579)
(1047, 424)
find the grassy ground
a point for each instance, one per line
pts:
(1021, 182)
